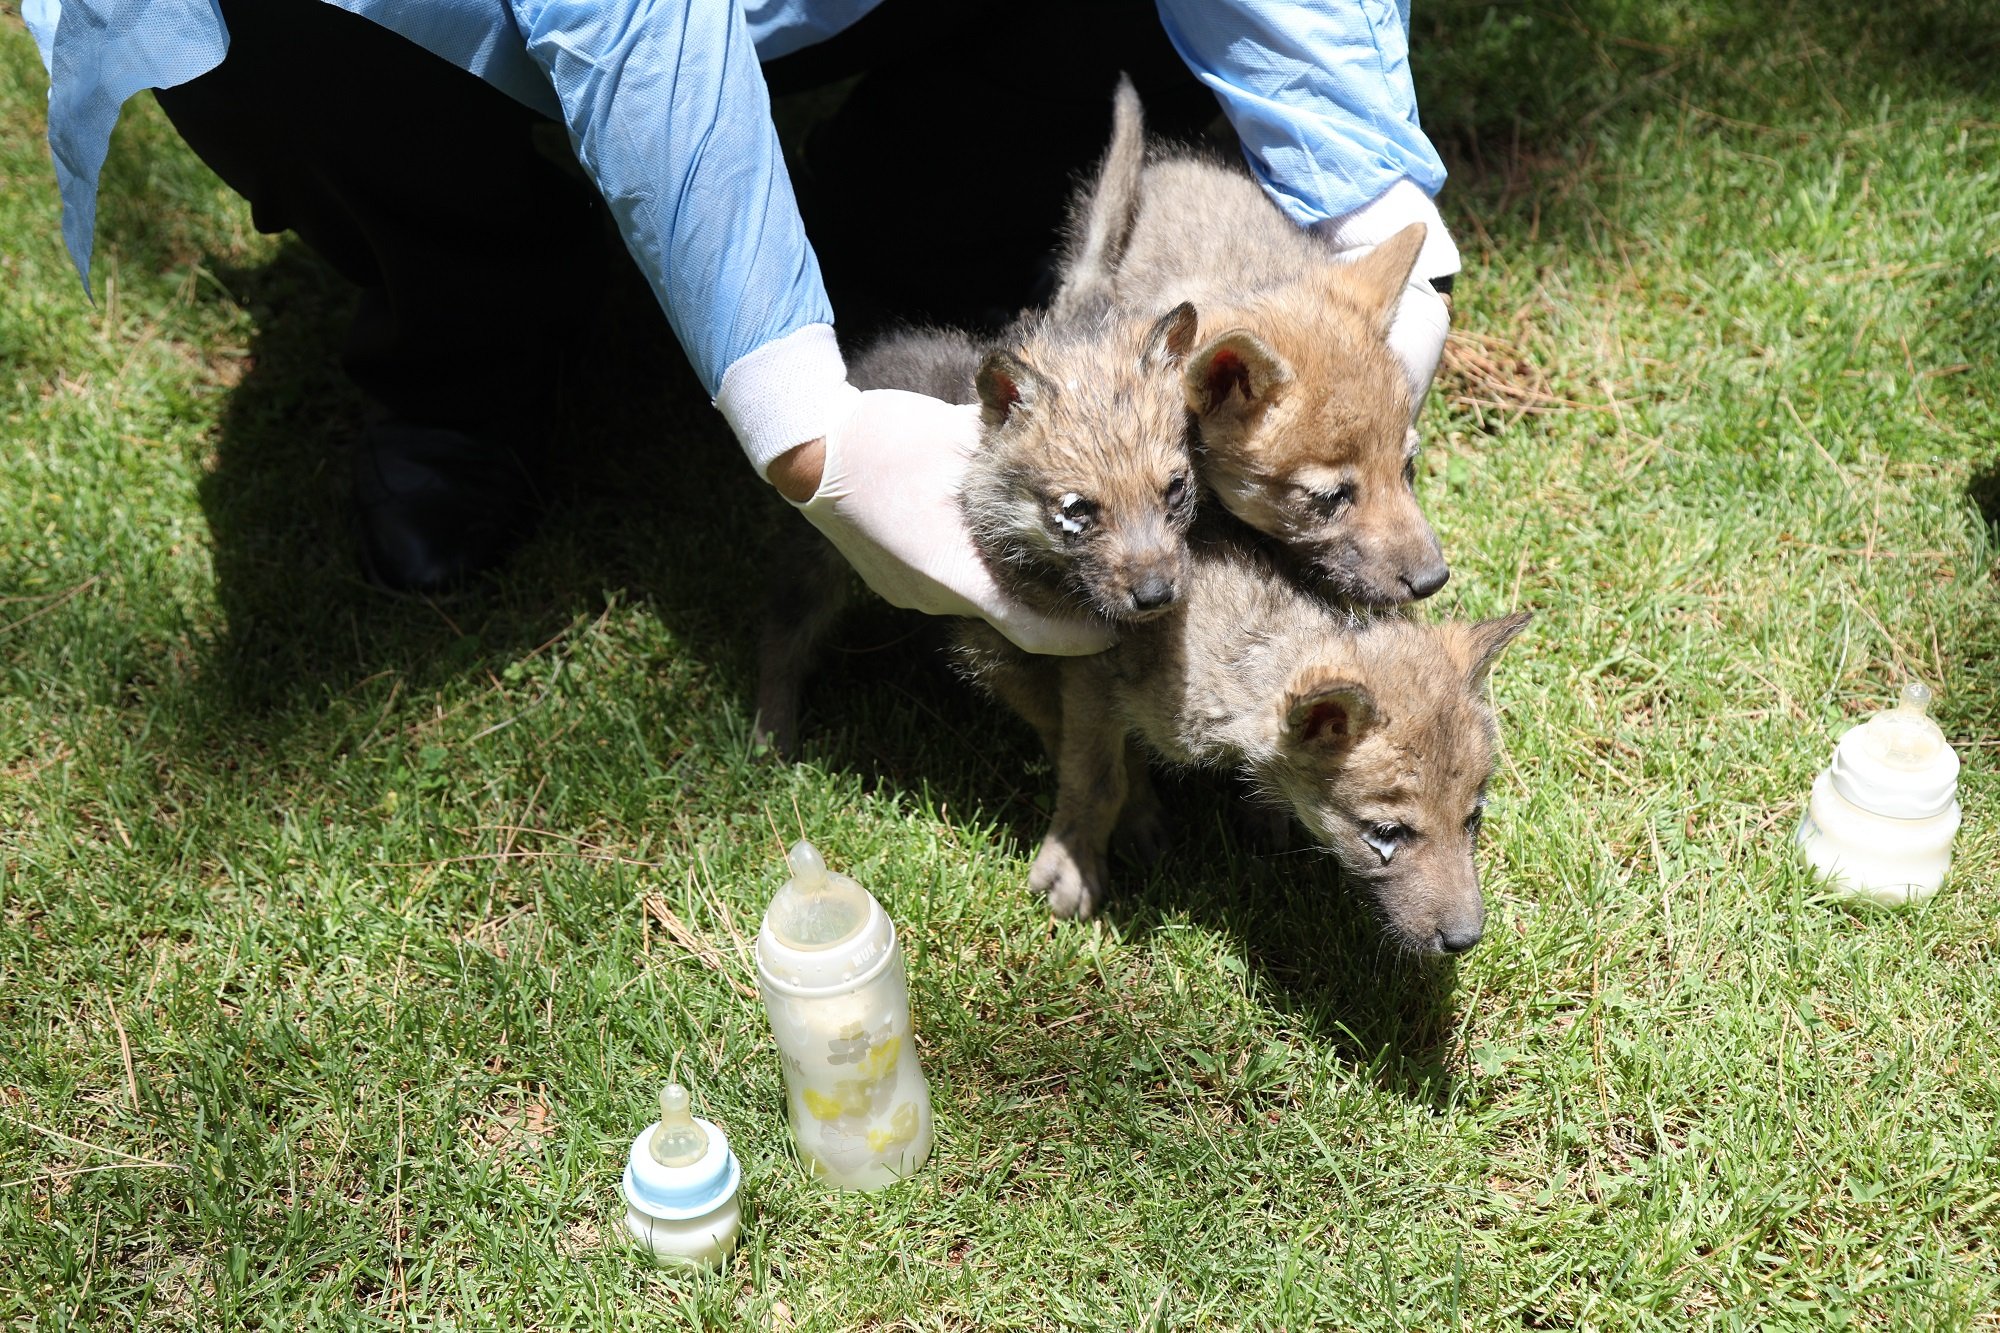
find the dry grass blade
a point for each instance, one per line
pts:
(125, 1050)
(1482, 370)
(702, 950)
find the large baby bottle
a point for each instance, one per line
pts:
(831, 973)
(1882, 815)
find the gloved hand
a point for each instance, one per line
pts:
(1424, 317)
(887, 499)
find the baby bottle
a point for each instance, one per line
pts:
(680, 1187)
(1881, 819)
(831, 974)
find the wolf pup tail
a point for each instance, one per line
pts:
(1101, 216)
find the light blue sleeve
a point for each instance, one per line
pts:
(668, 113)
(41, 16)
(100, 52)
(1319, 91)
(780, 27)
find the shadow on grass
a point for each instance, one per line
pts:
(1313, 942)
(650, 488)
(1975, 642)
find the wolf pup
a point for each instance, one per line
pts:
(1304, 412)
(1079, 498)
(1373, 731)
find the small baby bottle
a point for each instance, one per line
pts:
(831, 974)
(680, 1187)
(1881, 819)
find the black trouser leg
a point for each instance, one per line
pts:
(477, 258)
(420, 183)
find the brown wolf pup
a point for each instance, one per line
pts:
(1372, 731)
(1079, 498)
(1304, 412)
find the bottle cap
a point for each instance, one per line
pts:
(1898, 763)
(822, 931)
(697, 1172)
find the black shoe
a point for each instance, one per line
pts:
(436, 507)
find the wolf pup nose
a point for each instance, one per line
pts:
(1460, 938)
(1426, 579)
(1153, 593)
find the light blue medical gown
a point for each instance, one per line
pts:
(667, 110)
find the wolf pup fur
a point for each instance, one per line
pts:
(1304, 412)
(1079, 497)
(1373, 731)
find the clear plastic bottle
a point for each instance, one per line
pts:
(1882, 815)
(831, 974)
(680, 1187)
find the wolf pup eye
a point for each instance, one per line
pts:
(1334, 502)
(1410, 471)
(1386, 839)
(1177, 492)
(1074, 513)
(1477, 818)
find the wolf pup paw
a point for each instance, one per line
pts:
(1074, 884)
(775, 737)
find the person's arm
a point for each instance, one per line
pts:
(667, 110)
(1319, 92)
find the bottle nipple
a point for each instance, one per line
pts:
(679, 1141)
(1911, 738)
(807, 865)
(816, 909)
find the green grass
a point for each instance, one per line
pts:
(334, 964)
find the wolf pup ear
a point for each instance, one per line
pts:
(1004, 383)
(1238, 363)
(1172, 336)
(1378, 277)
(1328, 715)
(1481, 643)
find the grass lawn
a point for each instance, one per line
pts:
(344, 938)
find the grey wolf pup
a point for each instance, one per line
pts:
(1304, 413)
(1372, 730)
(1079, 497)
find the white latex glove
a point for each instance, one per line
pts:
(1423, 318)
(888, 499)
